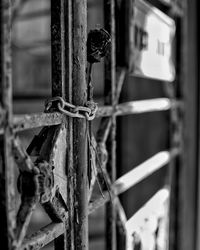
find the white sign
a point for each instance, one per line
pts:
(151, 35)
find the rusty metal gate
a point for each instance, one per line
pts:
(60, 166)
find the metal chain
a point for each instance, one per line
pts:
(88, 112)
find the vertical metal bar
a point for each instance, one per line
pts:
(110, 90)
(7, 191)
(185, 191)
(173, 92)
(63, 29)
(58, 44)
(58, 47)
(80, 125)
(187, 216)
(69, 94)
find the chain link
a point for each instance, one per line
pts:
(88, 112)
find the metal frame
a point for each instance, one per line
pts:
(68, 205)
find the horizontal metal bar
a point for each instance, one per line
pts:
(29, 121)
(38, 44)
(17, 5)
(23, 122)
(138, 107)
(141, 172)
(33, 15)
(43, 237)
(135, 176)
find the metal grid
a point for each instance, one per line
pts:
(67, 203)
